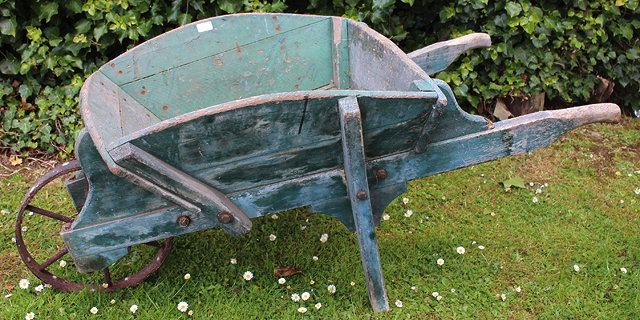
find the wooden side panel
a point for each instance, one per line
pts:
(199, 40)
(376, 63)
(299, 59)
(283, 139)
(341, 73)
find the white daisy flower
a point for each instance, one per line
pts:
(190, 313)
(636, 190)
(39, 288)
(453, 290)
(460, 250)
(312, 282)
(93, 310)
(248, 275)
(414, 288)
(409, 213)
(481, 247)
(272, 237)
(405, 200)
(473, 242)
(187, 276)
(314, 258)
(113, 301)
(30, 316)
(518, 289)
(133, 308)
(353, 283)
(305, 296)
(105, 285)
(318, 305)
(183, 306)
(531, 184)
(386, 217)
(535, 199)
(302, 309)
(282, 281)
(274, 217)
(13, 239)
(233, 261)
(435, 294)
(295, 297)
(331, 288)
(440, 261)
(398, 303)
(324, 237)
(63, 263)
(439, 298)
(24, 284)
(538, 191)
(623, 270)
(24, 229)
(503, 297)
(576, 267)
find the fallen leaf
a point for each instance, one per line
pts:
(514, 182)
(14, 160)
(9, 287)
(286, 271)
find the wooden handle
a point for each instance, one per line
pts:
(438, 56)
(591, 113)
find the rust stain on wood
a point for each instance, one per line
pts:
(238, 48)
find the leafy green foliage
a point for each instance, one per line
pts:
(49, 47)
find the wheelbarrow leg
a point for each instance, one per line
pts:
(358, 190)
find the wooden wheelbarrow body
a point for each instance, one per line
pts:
(240, 116)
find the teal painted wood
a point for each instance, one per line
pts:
(341, 70)
(358, 190)
(438, 56)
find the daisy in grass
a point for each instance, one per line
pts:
(518, 289)
(133, 308)
(93, 310)
(24, 229)
(305, 296)
(39, 288)
(503, 297)
(318, 305)
(30, 316)
(331, 288)
(282, 281)
(248, 275)
(274, 217)
(314, 258)
(623, 270)
(272, 237)
(312, 282)
(460, 250)
(481, 247)
(113, 301)
(233, 261)
(46, 285)
(324, 238)
(63, 263)
(190, 313)
(440, 261)
(409, 213)
(386, 217)
(105, 285)
(398, 303)
(535, 200)
(183, 306)
(187, 276)
(576, 268)
(636, 190)
(13, 239)
(453, 290)
(405, 200)
(435, 294)
(295, 297)
(353, 283)
(439, 298)
(302, 309)
(24, 284)
(538, 191)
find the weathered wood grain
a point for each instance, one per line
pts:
(359, 195)
(438, 56)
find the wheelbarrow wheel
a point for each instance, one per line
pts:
(47, 266)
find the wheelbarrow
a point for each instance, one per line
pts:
(239, 116)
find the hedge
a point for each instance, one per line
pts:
(555, 47)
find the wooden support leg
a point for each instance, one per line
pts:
(358, 189)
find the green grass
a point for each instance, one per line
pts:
(587, 215)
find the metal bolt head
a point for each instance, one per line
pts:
(381, 174)
(225, 217)
(361, 195)
(184, 221)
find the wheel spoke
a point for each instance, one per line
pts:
(49, 214)
(107, 277)
(54, 258)
(156, 244)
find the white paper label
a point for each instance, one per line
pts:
(205, 26)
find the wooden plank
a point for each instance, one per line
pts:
(299, 59)
(376, 63)
(340, 53)
(358, 190)
(438, 56)
(192, 42)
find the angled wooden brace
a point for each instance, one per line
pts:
(182, 188)
(358, 190)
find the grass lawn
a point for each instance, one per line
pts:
(587, 214)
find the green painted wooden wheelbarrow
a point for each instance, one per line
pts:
(240, 116)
